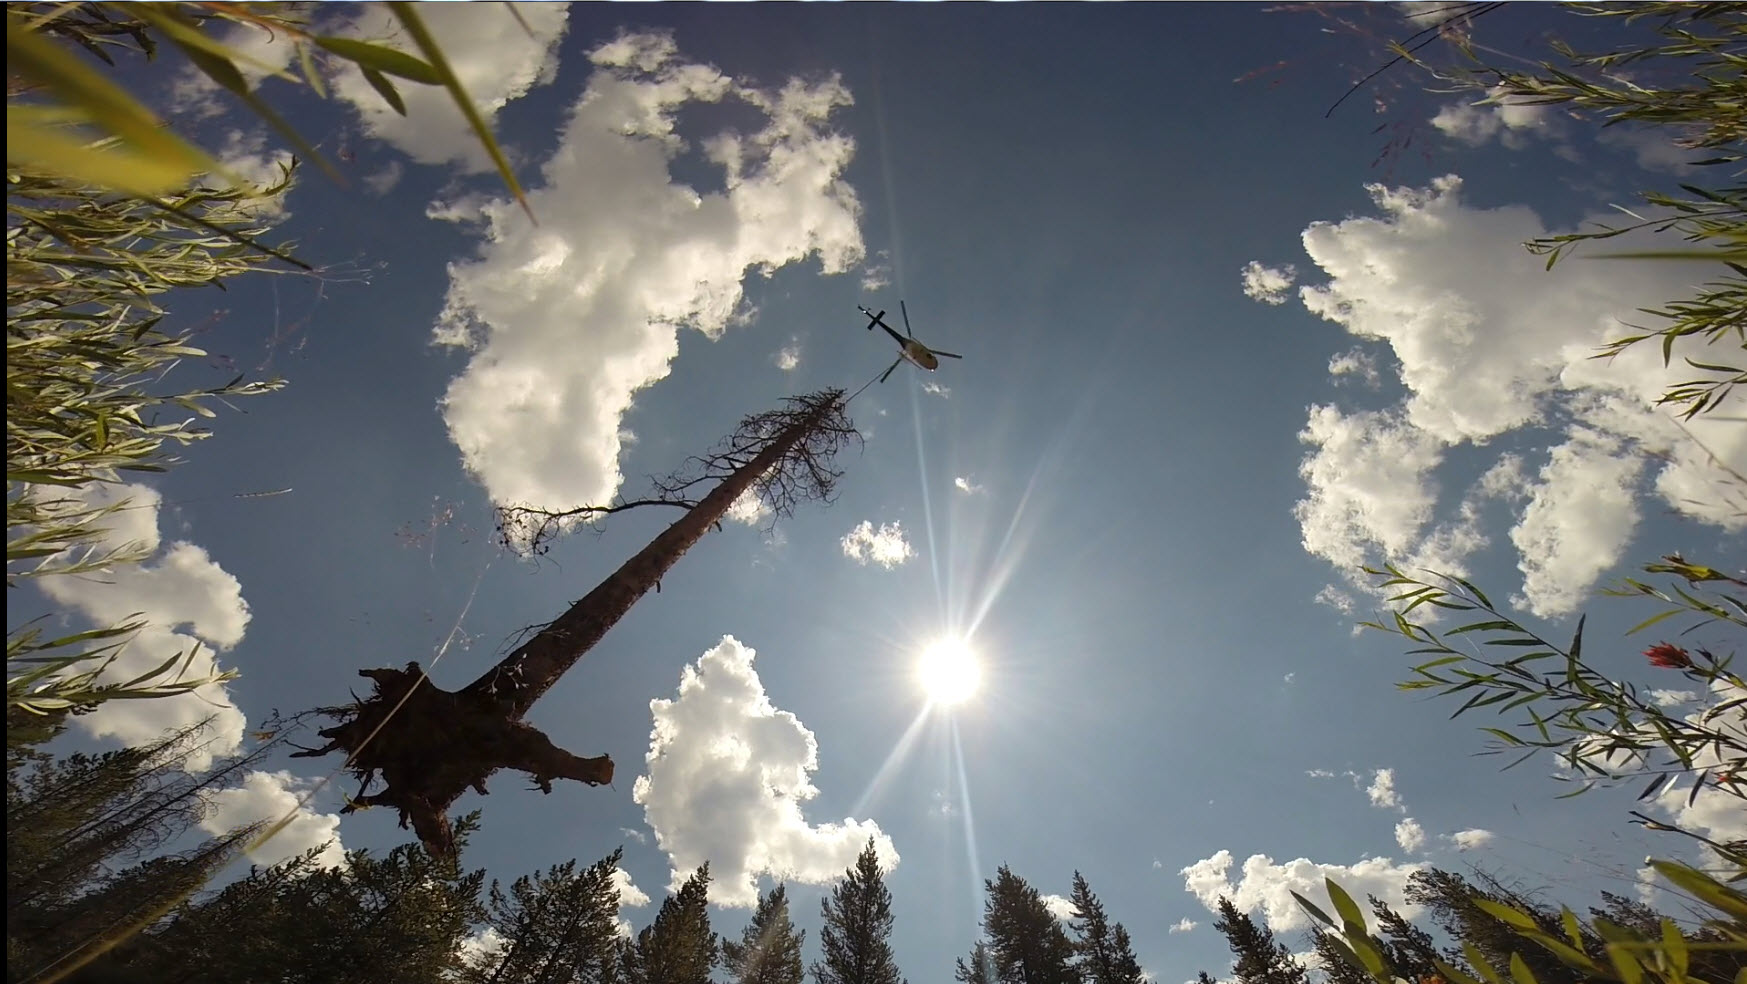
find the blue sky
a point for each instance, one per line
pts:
(1142, 492)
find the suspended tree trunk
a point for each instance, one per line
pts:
(431, 745)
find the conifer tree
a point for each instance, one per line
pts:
(557, 927)
(678, 947)
(979, 970)
(1025, 939)
(769, 951)
(1260, 958)
(855, 940)
(1103, 952)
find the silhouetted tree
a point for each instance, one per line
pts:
(769, 951)
(855, 940)
(980, 969)
(1260, 958)
(1103, 953)
(678, 947)
(1025, 939)
(430, 745)
(557, 927)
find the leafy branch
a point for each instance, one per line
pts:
(1602, 730)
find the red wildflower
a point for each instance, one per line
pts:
(1668, 656)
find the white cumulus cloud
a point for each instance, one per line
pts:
(788, 358)
(1059, 906)
(1580, 516)
(885, 546)
(966, 486)
(496, 59)
(190, 604)
(1710, 811)
(568, 320)
(1510, 120)
(727, 776)
(1268, 284)
(1468, 840)
(1488, 342)
(1672, 698)
(1356, 363)
(1410, 835)
(1183, 925)
(630, 897)
(1266, 886)
(1382, 792)
(266, 798)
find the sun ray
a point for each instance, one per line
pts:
(894, 758)
(970, 831)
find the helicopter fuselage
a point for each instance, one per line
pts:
(919, 354)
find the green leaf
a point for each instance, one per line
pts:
(1452, 974)
(1674, 945)
(1577, 638)
(103, 103)
(1490, 626)
(409, 18)
(1704, 887)
(382, 59)
(310, 72)
(1350, 913)
(1520, 972)
(385, 89)
(1477, 960)
(1505, 913)
(1652, 620)
(1311, 908)
(1625, 964)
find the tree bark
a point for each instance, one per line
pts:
(430, 745)
(523, 676)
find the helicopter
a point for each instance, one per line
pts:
(909, 349)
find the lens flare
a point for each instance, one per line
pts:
(948, 672)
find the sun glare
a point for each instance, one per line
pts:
(948, 671)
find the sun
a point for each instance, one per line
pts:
(948, 671)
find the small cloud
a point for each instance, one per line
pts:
(247, 157)
(630, 897)
(930, 386)
(1410, 835)
(1382, 790)
(1467, 840)
(1059, 907)
(1510, 121)
(1337, 599)
(1356, 363)
(1672, 698)
(966, 486)
(634, 835)
(877, 273)
(383, 181)
(1652, 148)
(748, 509)
(1268, 284)
(1183, 925)
(886, 546)
(789, 357)
(479, 948)
(1319, 773)
(1290, 677)
(1158, 865)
